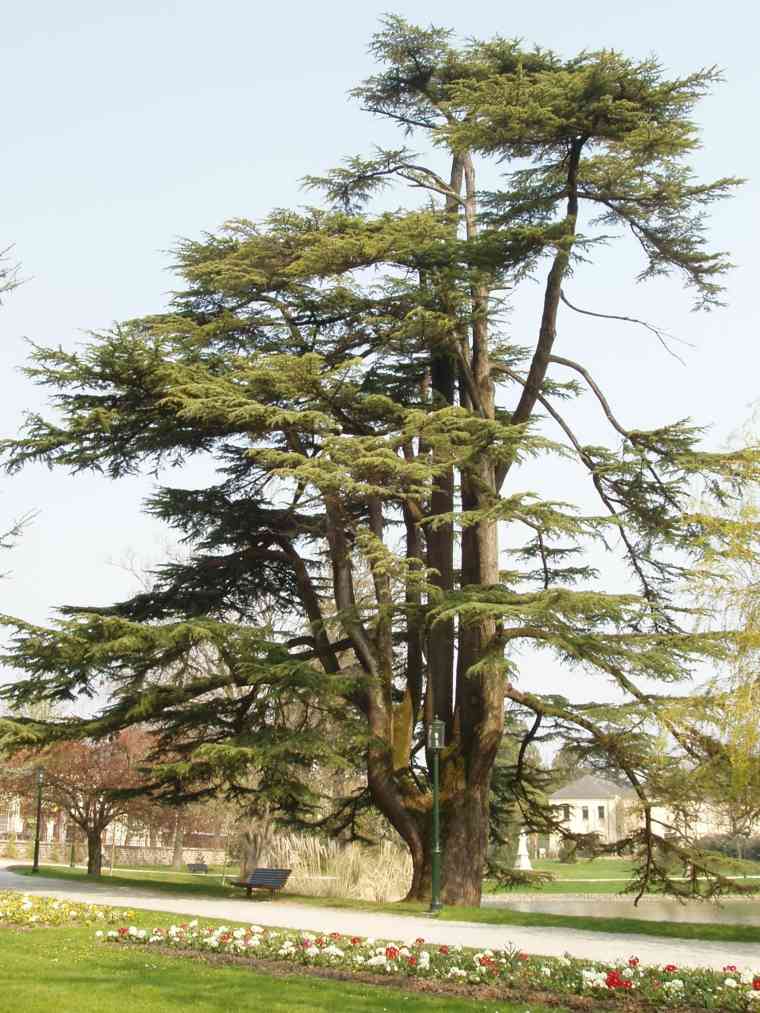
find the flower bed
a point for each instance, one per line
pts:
(660, 987)
(23, 909)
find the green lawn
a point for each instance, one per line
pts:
(603, 875)
(67, 969)
(484, 915)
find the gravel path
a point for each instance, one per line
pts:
(549, 941)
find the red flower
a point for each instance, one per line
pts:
(614, 980)
(756, 984)
(391, 952)
(320, 942)
(486, 962)
(670, 968)
(444, 950)
(419, 941)
(633, 961)
(355, 940)
(523, 956)
(411, 961)
(335, 935)
(123, 931)
(730, 967)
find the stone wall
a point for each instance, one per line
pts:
(131, 856)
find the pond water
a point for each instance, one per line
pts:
(730, 912)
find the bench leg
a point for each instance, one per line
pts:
(248, 891)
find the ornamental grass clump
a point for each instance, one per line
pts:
(22, 909)
(658, 986)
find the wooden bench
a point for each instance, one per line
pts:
(264, 879)
(197, 867)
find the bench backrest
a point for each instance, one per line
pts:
(197, 867)
(272, 878)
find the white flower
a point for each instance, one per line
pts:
(675, 985)
(457, 972)
(546, 971)
(593, 979)
(730, 983)
(98, 935)
(379, 960)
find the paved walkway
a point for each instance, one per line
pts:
(549, 941)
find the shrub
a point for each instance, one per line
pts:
(568, 852)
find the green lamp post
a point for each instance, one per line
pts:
(435, 743)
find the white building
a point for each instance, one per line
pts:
(10, 816)
(592, 805)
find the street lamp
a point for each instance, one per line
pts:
(435, 742)
(40, 775)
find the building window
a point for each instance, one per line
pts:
(565, 812)
(601, 812)
(584, 812)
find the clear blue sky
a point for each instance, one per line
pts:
(126, 125)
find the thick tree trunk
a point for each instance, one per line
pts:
(420, 887)
(465, 845)
(94, 853)
(254, 844)
(179, 841)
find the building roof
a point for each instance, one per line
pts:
(589, 786)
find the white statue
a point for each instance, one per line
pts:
(522, 862)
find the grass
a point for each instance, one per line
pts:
(484, 915)
(602, 875)
(68, 969)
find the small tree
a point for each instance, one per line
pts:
(84, 779)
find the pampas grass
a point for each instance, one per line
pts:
(380, 873)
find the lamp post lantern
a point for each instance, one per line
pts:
(435, 743)
(40, 777)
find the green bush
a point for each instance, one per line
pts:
(568, 853)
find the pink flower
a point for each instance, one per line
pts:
(633, 961)
(730, 968)
(670, 968)
(419, 941)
